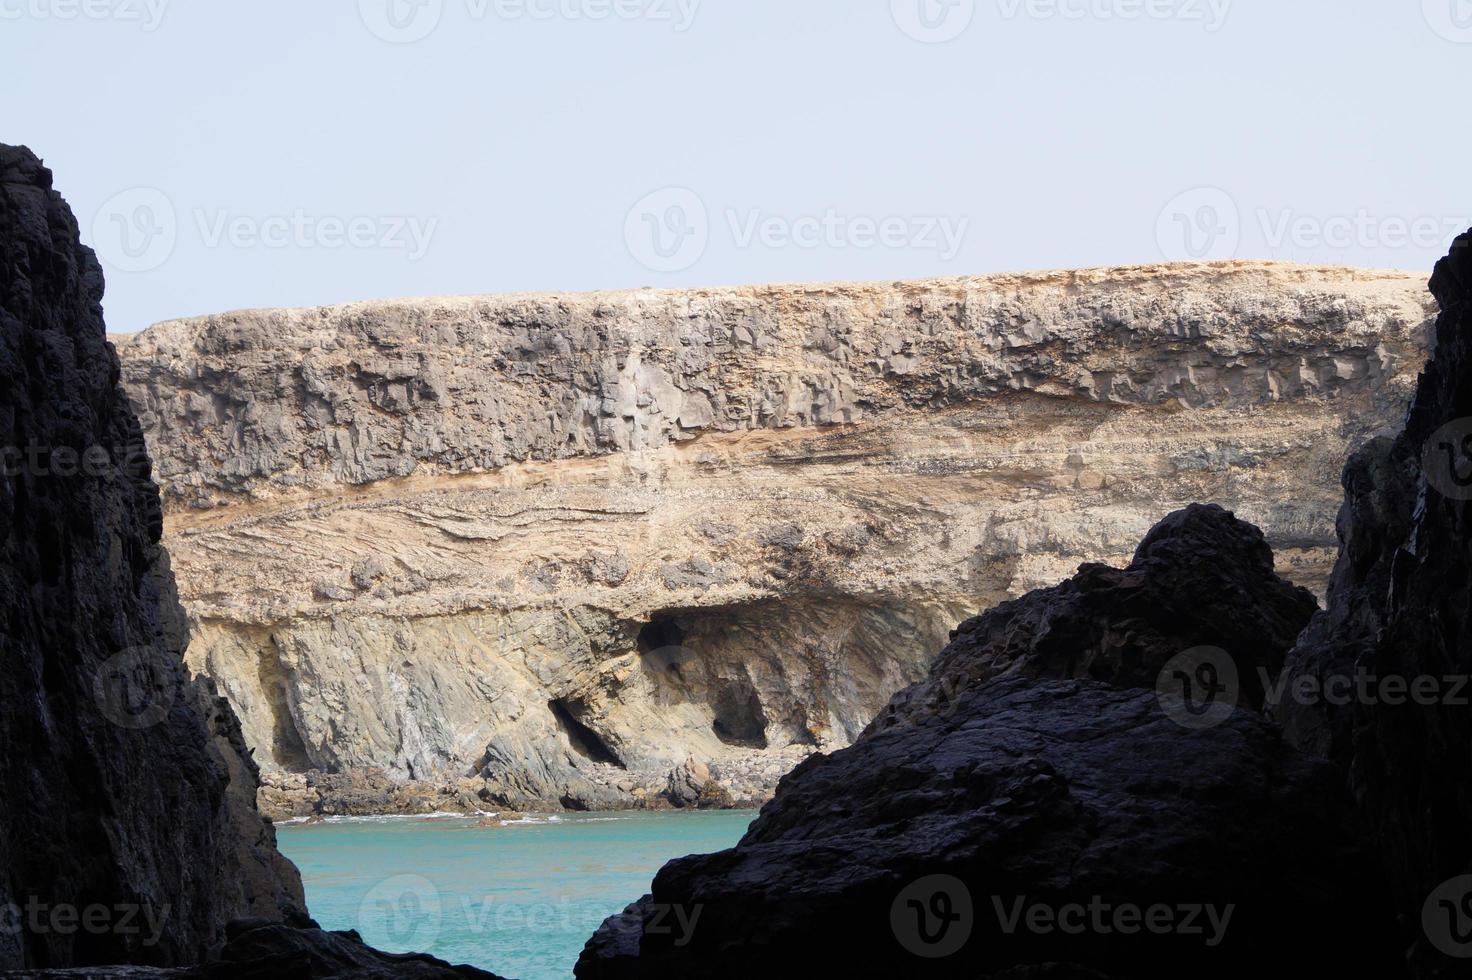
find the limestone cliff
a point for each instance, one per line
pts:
(541, 550)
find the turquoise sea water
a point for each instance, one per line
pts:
(520, 900)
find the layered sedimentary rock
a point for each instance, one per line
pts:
(1380, 681)
(543, 550)
(130, 843)
(997, 821)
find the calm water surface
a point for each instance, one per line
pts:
(519, 900)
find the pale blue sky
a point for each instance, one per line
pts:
(283, 152)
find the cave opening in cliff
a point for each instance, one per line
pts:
(585, 742)
(740, 719)
(661, 633)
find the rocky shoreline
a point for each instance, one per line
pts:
(372, 792)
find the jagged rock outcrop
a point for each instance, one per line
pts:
(1375, 690)
(1199, 573)
(556, 545)
(129, 836)
(113, 793)
(1018, 825)
(1380, 681)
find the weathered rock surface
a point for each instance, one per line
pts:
(115, 788)
(130, 843)
(1029, 792)
(1199, 574)
(560, 544)
(1396, 639)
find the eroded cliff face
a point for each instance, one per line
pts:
(540, 550)
(128, 827)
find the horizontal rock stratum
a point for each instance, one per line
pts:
(541, 550)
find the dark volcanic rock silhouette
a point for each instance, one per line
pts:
(1199, 578)
(1400, 618)
(112, 792)
(128, 828)
(992, 800)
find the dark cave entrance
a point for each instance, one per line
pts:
(740, 719)
(585, 742)
(661, 633)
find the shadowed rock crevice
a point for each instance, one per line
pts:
(286, 750)
(586, 742)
